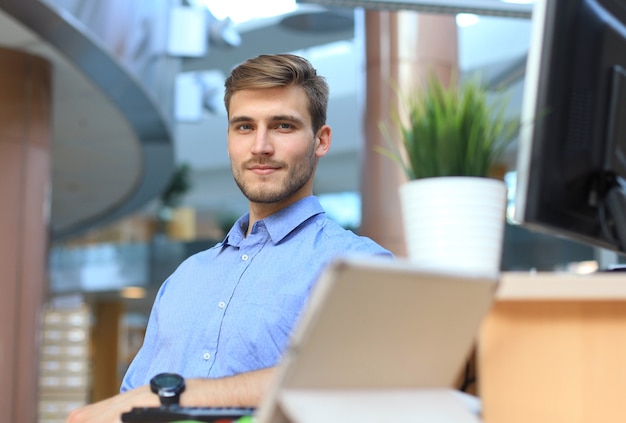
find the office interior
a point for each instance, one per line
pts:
(103, 102)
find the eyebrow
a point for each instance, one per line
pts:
(275, 118)
(239, 119)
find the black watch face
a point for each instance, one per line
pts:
(167, 380)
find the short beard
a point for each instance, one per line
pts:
(295, 179)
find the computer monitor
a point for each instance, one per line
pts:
(572, 153)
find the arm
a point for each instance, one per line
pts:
(245, 389)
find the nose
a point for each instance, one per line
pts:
(262, 144)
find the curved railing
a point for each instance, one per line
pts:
(142, 100)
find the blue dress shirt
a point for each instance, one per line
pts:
(231, 308)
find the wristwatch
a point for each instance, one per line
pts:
(168, 386)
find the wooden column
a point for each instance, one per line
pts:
(25, 103)
(106, 340)
(401, 49)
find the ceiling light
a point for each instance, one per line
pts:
(240, 11)
(223, 33)
(133, 292)
(467, 19)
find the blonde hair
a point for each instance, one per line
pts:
(281, 70)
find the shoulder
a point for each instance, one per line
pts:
(348, 241)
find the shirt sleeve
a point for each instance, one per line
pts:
(137, 373)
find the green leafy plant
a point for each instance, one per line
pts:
(178, 185)
(450, 131)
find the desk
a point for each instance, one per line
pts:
(553, 350)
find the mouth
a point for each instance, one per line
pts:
(263, 169)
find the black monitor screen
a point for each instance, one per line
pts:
(572, 153)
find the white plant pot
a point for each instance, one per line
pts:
(455, 224)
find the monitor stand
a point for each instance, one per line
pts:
(616, 207)
(615, 159)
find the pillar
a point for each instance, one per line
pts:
(401, 49)
(25, 103)
(106, 339)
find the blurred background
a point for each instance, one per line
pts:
(139, 176)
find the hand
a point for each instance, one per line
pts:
(110, 410)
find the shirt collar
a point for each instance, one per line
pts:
(279, 224)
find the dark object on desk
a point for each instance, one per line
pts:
(176, 413)
(615, 268)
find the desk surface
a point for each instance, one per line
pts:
(561, 286)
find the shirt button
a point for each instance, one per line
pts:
(221, 304)
(206, 356)
(244, 257)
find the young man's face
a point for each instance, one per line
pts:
(271, 144)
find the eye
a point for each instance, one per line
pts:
(284, 126)
(244, 127)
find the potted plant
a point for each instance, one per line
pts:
(450, 138)
(172, 195)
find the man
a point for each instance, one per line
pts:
(223, 318)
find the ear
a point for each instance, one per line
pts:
(322, 140)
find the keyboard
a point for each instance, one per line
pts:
(176, 413)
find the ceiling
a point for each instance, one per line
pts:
(510, 8)
(108, 160)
